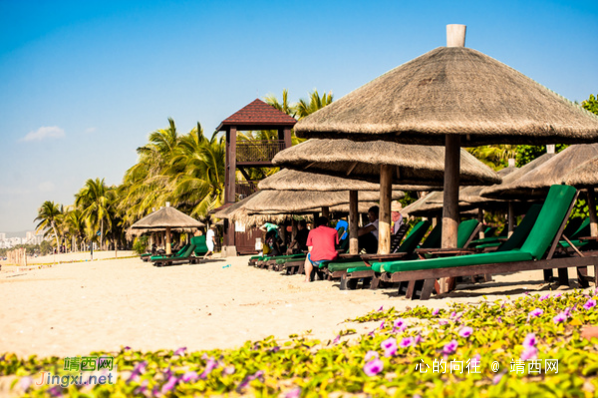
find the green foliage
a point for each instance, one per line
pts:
(45, 248)
(140, 244)
(269, 368)
(591, 104)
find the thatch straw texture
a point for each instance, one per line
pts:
(585, 175)
(453, 91)
(296, 180)
(142, 231)
(415, 164)
(298, 201)
(538, 181)
(429, 205)
(167, 217)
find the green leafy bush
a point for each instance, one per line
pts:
(140, 244)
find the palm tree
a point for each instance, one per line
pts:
(313, 103)
(75, 225)
(93, 200)
(49, 215)
(494, 156)
(285, 107)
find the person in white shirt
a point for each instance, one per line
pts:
(397, 217)
(210, 241)
(368, 235)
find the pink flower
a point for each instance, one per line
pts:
(567, 312)
(497, 378)
(436, 311)
(382, 325)
(530, 340)
(536, 313)
(561, 317)
(545, 297)
(380, 309)
(589, 304)
(170, 384)
(389, 346)
(336, 339)
(406, 342)
(466, 332)
(294, 393)
(190, 376)
(209, 367)
(180, 351)
(418, 339)
(442, 322)
(229, 370)
(25, 383)
(558, 295)
(529, 353)
(499, 319)
(475, 361)
(373, 367)
(400, 324)
(450, 348)
(370, 355)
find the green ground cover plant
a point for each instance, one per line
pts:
(389, 360)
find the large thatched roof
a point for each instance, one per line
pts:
(415, 164)
(538, 181)
(586, 175)
(167, 217)
(453, 90)
(296, 180)
(472, 194)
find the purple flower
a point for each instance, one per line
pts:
(25, 383)
(589, 304)
(436, 311)
(545, 297)
(561, 317)
(499, 319)
(442, 322)
(336, 339)
(382, 325)
(137, 370)
(170, 384)
(418, 339)
(371, 334)
(530, 340)
(536, 313)
(453, 314)
(529, 353)
(450, 348)
(181, 351)
(406, 342)
(141, 389)
(55, 391)
(294, 393)
(475, 361)
(190, 376)
(466, 331)
(389, 346)
(558, 295)
(370, 355)
(567, 312)
(400, 324)
(209, 367)
(127, 348)
(257, 375)
(373, 367)
(277, 348)
(229, 370)
(380, 309)
(497, 378)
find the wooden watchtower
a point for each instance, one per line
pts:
(256, 116)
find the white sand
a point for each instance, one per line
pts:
(73, 309)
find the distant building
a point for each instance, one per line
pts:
(2, 236)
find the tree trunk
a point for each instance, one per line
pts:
(102, 234)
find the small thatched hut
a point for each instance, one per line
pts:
(585, 177)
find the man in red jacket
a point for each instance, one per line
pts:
(321, 243)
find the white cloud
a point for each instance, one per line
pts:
(90, 130)
(46, 186)
(43, 133)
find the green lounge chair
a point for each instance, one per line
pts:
(536, 252)
(338, 268)
(200, 247)
(185, 254)
(465, 233)
(497, 240)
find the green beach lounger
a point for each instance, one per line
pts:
(536, 252)
(182, 256)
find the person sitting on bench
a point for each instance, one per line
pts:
(368, 235)
(321, 243)
(299, 244)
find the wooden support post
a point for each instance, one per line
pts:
(592, 209)
(385, 208)
(450, 210)
(482, 235)
(294, 229)
(287, 137)
(168, 248)
(353, 222)
(510, 218)
(326, 212)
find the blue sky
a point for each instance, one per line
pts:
(82, 84)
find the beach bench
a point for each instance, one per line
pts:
(537, 252)
(338, 268)
(465, 233)
(200, 248)
(185, 254)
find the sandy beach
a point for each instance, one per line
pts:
(79, 307)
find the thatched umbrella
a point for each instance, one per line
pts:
(409, 164)
(538, 181)
(451, 96)
(165, 219)
(586, 177)
(296, 180)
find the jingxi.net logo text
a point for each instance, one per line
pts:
(82, 371)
